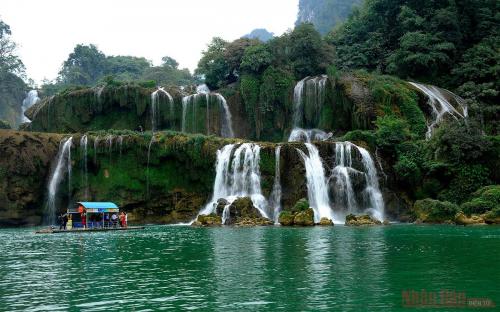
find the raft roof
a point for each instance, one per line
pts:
(98, 205)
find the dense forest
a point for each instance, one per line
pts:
(325, 14)
(12, 85)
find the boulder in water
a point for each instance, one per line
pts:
(492, 217)
(353, 220)
(325, 222)
(286, 218)
(462, 219)
(301, 205)
(304, 218)
(253, 222)
(208, 220)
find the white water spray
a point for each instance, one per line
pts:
(275, 199)
(30, 100)
(85, 171)
(155, 107)
(63, 163)
(238, 175)
(441, 107)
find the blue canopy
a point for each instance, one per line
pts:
(98, 205)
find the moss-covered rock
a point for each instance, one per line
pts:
(492, 217)
(462, 219)
(208, 220)
(301, 205)
(304, 218)
(361, 220)
(286, 218)
(434, 211)
(325, 222)
(4, 124)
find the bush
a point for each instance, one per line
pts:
(434, 211)
(301, 205)
(391, 131)
(484, 200)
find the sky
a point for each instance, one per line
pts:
(48, 30)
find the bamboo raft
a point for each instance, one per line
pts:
(80, 230)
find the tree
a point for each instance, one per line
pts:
(308, 53)
(233, 54)
(9, 61)
(125, 68)
(212, 65)
(84, 66)
(256, 59)
(168, 61)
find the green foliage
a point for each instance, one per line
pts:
(325, 14)
(309, 54)
(249, 88)
(301, 205)
(234, 54)
(434, 211)
(256, 58)
(369, 137)
(483, 200)
(213, 64)
(391, 131)
(84, 66)
(468, 178)
(9, 61)
(4, 124)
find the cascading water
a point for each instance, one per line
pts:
(275, 199)
(85, 171)
(308, 135)
(317, 188)
(96, 146)
(147, 166)
(308, 96)
(440, 105)
(238, 175)
(344, 196)
(120, 144)
(227, 122)
(155, 107)
(63, 163)
(189, 104)
(30, 100)
(109, 145)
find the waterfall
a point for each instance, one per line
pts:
(309, 92)
(344, 196)
(317, 188)
(63, 162)
(147, 166)
(109, 145)
(155, 107)
(189, 103)
(343, 190)
(372, 187)
(98, 93)
(275, 200)
(238, 175)
(440, 105)
(85, 171)
(96, 145)
(202, 89)
(227, 122)
(120, 144)
(30, 100)
(308, 135)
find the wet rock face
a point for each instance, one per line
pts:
(208, 220)
(362, 220)
(24, 165)
(241, 212)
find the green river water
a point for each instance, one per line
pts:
(261, 269)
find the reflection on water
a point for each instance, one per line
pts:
(232, 269)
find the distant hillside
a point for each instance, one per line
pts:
(325, 14)
(260, 33)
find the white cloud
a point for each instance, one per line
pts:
(48, 30)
